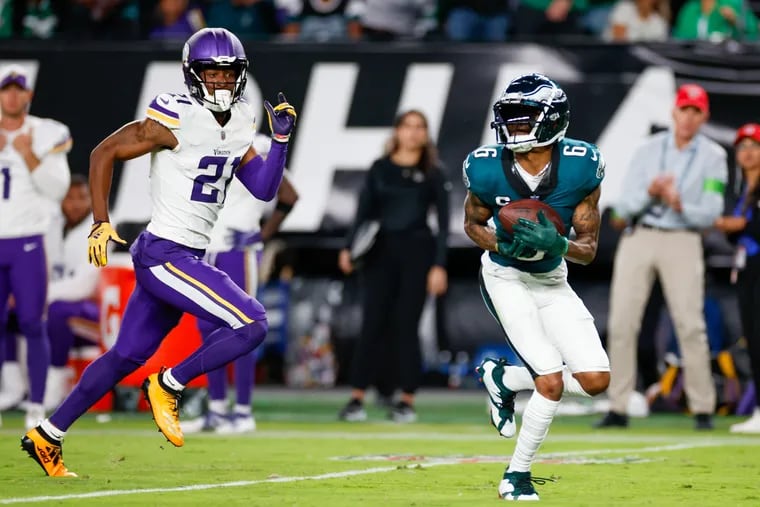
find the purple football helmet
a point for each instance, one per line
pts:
(215, 48)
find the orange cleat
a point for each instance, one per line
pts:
(46, 452)
(164, 404)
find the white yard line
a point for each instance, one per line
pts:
(352, 473)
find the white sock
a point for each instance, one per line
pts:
(243, 410)
(218, 406)
(536, 420)
(170, 381)
(518, 378)
(572, 386)
(51, 430)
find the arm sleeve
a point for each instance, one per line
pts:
(443, 209)
(703, 212)
(366, 206)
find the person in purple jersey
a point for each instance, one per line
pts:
(34, 177)
(198, 142)
(236, 247)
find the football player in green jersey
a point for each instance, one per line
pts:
(524, 275)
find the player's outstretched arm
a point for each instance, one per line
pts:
(476, 215)
(586, 222)
(260, 177)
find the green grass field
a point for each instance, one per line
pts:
(301, 456)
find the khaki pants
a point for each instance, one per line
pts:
(676, 258)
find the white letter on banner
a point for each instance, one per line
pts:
(133, 198)
(324, 143)
(649, 102)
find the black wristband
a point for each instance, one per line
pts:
(284, 207)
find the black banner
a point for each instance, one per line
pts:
(347, 97)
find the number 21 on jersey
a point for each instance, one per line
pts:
(205, 186)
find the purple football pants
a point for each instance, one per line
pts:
(60, 331)
(242, 268)
(171, 279)
(23, 274)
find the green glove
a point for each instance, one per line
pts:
(513, 248)
(541, 235)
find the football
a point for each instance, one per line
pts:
(528, 208)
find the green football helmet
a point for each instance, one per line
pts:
(533, 111)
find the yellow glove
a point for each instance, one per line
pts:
(97, 243)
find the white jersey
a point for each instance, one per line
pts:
(72, 278)
(27, 199)
(188, 184)
(242, 213)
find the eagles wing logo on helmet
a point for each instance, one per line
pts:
(214, 48)
(533, 111)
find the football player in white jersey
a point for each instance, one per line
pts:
(198, 142)
(34, 177)
(237, 243)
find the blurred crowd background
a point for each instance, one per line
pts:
(383, 20)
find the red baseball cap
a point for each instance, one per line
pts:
(750, 130)
(692, 95)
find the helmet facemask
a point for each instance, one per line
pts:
(517, 124)
(221, 99)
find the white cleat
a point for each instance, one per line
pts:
(751, 425)
(501, 399)
(240, 423)
(35, 413)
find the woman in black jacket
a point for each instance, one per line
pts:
(406, 262)
(744, 223)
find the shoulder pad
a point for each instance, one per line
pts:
(166, 109)
(588, 157)
(479, 156)
(246, 108)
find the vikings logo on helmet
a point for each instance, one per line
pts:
(537, 111)
(214, 48)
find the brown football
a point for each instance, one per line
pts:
(528, 208)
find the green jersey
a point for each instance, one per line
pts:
(576, 170)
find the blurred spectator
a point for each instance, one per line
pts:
(39, 20)
(73, 314)
(744, 222)
(6, 18)
(177, 20)
(406, 262)
(596, 17)
(548, 18)
(474, 21)
(100, 19)
(674, 190)
(638, 21)
(34, 178)
(385, 20)
(248, 19)
(716, 20)
(30, 18)
(322, 21)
